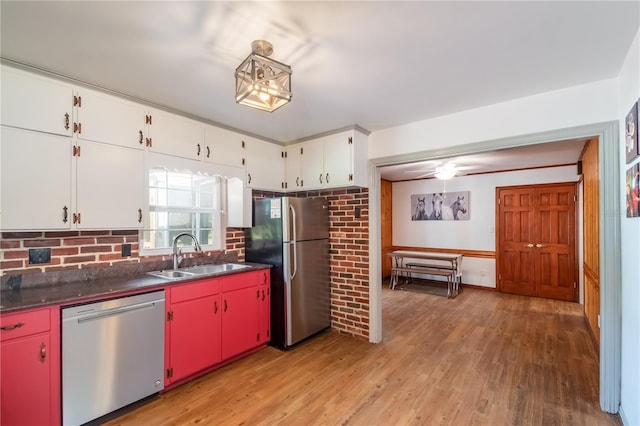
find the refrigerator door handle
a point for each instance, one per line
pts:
(294, 238)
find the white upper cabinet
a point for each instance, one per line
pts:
(292, 168)
(30, 101)
(311, 164)
(174, 135)
(108, 119)
(110, 187)
(264, 165)
(223, 146)
(35, 180)
(333, 161)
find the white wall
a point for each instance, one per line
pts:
(574, 106)
(478, 232)
(630, 233)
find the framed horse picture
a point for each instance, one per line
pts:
(440, 206)
(631, 148)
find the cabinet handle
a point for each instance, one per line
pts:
(208, 152)
(264, 277)
(215, 306)
(540, 245)
(65, 214)
(327, 178)
(198, 150)
(225, 305)
(43, 352)
(297, 181)
(262, 295)
(528, 245)
(66, 121)
(249, 175)
(139, 215)
(12, 326)
(258, 293)
(141, 138)
(320, 177)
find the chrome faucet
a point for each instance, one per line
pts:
(176, 254)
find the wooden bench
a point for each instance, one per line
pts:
(422, 269)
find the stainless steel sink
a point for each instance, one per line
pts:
(196, 271)
(172, 274)
(213, 269)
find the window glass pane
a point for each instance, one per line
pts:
(182, 202)
(179, 198)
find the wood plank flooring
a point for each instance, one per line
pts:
(484, 358)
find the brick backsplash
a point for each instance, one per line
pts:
(85, 249)
(348, 238)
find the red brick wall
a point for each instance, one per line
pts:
(83, 249)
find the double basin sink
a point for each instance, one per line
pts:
(197, 271)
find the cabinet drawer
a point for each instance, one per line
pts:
(24, 323)
(206, 287)
(239, 281)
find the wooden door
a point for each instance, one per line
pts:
(515, 225)
(555, 245)
(536, 241)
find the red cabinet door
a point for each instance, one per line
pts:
(239, 321)
(194, 336)
(26, 381)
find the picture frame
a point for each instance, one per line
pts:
(631, 148)
(632, 191)
(440, 206)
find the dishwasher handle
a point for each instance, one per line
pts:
(116, 311)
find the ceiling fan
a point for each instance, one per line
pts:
(439, 169)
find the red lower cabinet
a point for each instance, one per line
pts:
(30, 368)
(192, 329)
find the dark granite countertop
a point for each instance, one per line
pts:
(72, 292)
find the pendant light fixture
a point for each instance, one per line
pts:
(261, 82)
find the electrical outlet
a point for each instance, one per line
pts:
(40, 255)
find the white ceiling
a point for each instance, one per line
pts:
(558, 153)
(376, 64)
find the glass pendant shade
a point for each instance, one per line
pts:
(263, 83)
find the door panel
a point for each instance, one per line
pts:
(536, 253)
(516, 260)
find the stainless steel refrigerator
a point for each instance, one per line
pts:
(292, 234)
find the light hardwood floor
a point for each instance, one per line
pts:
(484, 358)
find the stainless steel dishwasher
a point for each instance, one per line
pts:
(112, 355)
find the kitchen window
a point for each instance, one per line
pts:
(183, 201)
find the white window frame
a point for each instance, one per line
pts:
(169, 163)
